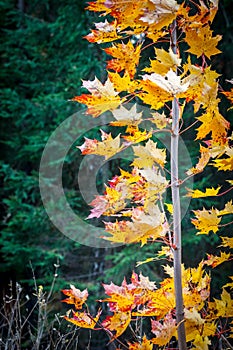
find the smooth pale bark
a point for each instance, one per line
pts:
(176, 211)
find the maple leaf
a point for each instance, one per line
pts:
(76, 297)
(149, 155)
(204, 15)
(171, 82)
(98, 6)
(227, 242)
(206, 220)
(229, 95)
(203, 87)
(225, 163)
(213, 122)
(214, 261)
(164, 62)
(103, 97)
(126, 57)
(83, 319)
(144, 345)
(203, 161)
(195, 325)
(228, 209)
(126, 116)
(201, 343)
(107, 148)
(201, 42)
(152, 94)
(111, 203)
(161, 14)
(105, 32)
(157, 183)
(230, 284)
(118, 322)
(122, 83)
(165, 251)
(140, 229)
(164, 331)
(209, 192)
(221, 307)
(135, 135)
(160, 120)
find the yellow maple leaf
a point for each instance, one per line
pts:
(227, 242)
(213, 122)
(107, 148)
(160, 120)
(123, 83)
(126, 116)
(206, 220)
(105, 32)
(230, 284)
(221, 307)
(199, 194)
(145, 344)
(136, 135)
(228, 209)
(201, 343)
(202, 162)
(164, 62)
(98, 6)
(103, 97)
(160, 14)
(143, 226)
(153, 95)
(225, 163)
(118, 322)
(201, 42)
(203, 86)
(195, 325)
(126, 57)
(171, 82)
(214, 261)
(149, 155)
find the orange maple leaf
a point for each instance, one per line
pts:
(76, 297)
(83, 319)
(118, 322)
(229, 95)
(105, 32)
(126, 57)
(103, 97)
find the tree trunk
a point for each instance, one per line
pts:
(176, 211)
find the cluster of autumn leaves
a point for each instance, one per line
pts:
(141, 298)
(135, 197)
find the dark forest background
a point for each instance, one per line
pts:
(43, 59)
